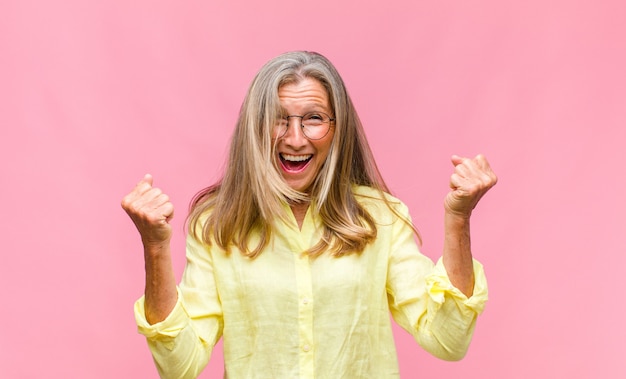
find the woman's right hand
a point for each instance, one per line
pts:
(151, 212)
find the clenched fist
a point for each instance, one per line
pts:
(471, 179)
(151, 211)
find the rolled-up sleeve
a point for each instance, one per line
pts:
(182, 343)
(424, 302)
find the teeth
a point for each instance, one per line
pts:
(296, 158)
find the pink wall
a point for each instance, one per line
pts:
(95, 94)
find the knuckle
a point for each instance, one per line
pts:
(129, 206)
(154, 192)
(142, 187)
(152, 218)
(473, 188)
(125, 202)
(485, 178)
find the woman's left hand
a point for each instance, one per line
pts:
(472, 178)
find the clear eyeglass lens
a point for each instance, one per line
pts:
(315, 125)
(280, 128)
(314, 119)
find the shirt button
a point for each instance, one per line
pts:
(306, 348)
(305, 301)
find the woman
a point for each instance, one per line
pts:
(298, 254)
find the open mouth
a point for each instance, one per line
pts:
(294, 163)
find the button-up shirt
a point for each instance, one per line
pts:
(287, 315)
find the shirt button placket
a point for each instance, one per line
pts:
(305, 316)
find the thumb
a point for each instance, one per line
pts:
(456, 160)
(147, 179)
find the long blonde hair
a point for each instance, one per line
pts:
(252, 192)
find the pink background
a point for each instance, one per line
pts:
(93, 94)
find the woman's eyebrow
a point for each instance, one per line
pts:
(310, 108)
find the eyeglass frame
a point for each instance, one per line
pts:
(330, 121)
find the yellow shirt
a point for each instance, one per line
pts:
(285, 315)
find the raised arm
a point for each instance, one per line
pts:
(151, 211)
(471, 179)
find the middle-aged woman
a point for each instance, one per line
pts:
(299, 253)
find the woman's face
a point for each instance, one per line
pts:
(299, 159)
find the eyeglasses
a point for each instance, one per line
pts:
(315, 125)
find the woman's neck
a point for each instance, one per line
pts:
(299, 211)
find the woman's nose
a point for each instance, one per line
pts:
(294, 135)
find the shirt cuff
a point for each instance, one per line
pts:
(170, 327)
(439, 285)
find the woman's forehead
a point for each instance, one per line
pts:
(304, 92)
